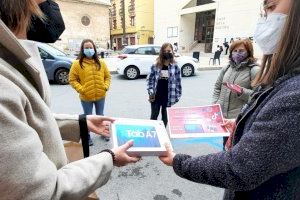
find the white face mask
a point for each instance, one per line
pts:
(268, 32)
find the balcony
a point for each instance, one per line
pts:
(119, 31)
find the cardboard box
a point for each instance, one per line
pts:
(149, 136)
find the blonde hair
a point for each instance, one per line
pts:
(16, 14)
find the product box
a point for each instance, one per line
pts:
(149, 136)
(200, 121)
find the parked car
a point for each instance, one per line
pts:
(136, 60)
(57, 64)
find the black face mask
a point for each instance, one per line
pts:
(168, 56)
(53, 26)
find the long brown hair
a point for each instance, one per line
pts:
(160, 60)
(248, 46)
(288, 50)
(81, 55)
(17, 14)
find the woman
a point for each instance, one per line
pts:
(164, 83)
(90, 77)
(32, 156)
(233, 87)
(264, 159)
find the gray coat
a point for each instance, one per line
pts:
(242, 75)
(33, 161)
(264, 162)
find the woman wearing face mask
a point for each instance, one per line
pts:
(33, 161)
(233, 86)
(263, 161)
(164, 83)
(90, 77)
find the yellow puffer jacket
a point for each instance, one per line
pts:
(89, 82)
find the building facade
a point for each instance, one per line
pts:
(201, 25)
(131, 22)
(84, 19)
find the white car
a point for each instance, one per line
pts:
(137, 60)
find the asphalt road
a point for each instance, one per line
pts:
(149, 179)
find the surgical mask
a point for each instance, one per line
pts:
(89, 52)
(239, 57)
(268, 32)
(49, 30)
(168, 56)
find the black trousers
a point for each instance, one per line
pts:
(155, 108)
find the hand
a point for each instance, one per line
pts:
(122, 158)
(99, 124)
(230, 124)
(151, 98)
(234, 88)
(168, 159)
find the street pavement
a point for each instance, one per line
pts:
(148, 179)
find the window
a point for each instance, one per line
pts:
(132, 20)
(172, 31)
(85, 20)
(156, 50)
(144, 51)
(114, 24)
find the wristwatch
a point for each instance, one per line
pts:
(113, 155)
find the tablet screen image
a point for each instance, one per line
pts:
(149, 136)
(143, 136)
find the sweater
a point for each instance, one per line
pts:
(264, 162)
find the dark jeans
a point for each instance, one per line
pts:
(155, 108)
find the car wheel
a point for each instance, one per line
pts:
(187, 70)
(62, 76)
(131, 72)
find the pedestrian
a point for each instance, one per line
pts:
(164, 83)
(239, 74)
(107, 45)
(175, 47)
(226, 45)
(90, 77)
(263, 160)
(32, 156)
(115, 46)
(221, 48)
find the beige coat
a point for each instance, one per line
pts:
(33, 161)
(242, 75)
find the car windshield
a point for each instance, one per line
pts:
(128, 51)
(52, 50)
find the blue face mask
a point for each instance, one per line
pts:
(89, 52)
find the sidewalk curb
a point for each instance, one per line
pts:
(113, 72)
(208, 68)
(198, 69)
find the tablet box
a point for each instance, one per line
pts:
(149, 136)
(197, 121)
